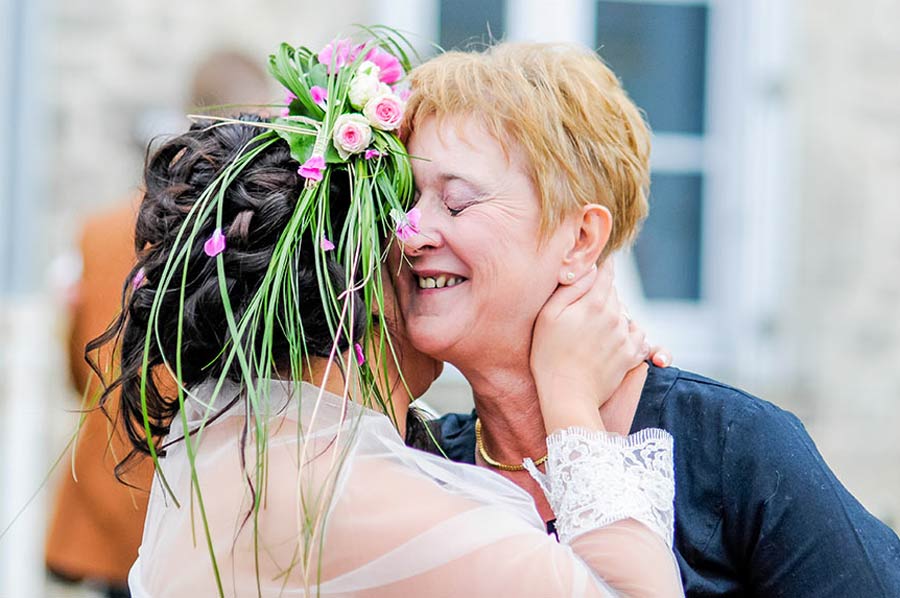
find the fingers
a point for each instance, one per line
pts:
(660, 356)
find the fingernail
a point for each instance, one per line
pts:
(663, 360)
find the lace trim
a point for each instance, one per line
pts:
(595, 478)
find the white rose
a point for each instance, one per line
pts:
(351, 135)
(363, 88)
(368, 69)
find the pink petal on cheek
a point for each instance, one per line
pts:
(413, 217)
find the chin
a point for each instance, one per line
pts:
(431, 339)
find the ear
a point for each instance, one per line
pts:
(592, 230)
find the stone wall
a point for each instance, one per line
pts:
(843, 317)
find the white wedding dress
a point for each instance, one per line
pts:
(399, 522)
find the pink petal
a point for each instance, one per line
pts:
(390, 69)
(372, 153)
(413, 217)
(326, 245)
(138, 279)
(312, 168)
(215, 244)
(360, 356)
(403, 94)
(335, 54)
(318, 94)
(289, 97)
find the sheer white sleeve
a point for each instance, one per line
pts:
(597, 478)
(399, 523)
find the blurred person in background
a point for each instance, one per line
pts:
(96, 525)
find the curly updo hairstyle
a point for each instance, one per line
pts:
(257, 206)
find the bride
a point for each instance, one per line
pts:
(280, 468)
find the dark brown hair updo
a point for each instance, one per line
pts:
(257, 206)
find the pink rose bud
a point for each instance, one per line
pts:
(312, 169)
(384, 111)
(372, 153)
(360, 356)
(215, 244)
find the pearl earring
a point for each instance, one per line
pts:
(570, 276)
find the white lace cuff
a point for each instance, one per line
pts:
(594, 479)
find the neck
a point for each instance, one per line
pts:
(327, 375)
(512, 425)
(507, 404)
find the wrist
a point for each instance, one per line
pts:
(560, 417)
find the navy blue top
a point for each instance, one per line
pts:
(757, 510)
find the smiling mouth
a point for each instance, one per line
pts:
(439, 282)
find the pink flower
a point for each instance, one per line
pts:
(288, 98)
(352, 134)
(318, 94)
(384, 111)
(138, 279)
(360, 356)
(403, 94)
(407, 225)
(390, 70)
(326, 245)
(215, 244)
(312, 168)
(337, 54)
(372, 153)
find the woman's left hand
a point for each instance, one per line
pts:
(583, 346)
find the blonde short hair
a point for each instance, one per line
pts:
(585, 140)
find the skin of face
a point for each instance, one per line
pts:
(419, 370)
(480, 224)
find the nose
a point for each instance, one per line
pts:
(427, 235)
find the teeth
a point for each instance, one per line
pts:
(439, 282)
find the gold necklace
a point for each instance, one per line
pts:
(479, 443)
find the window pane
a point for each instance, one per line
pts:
(659, 53)
(668, 248)
(465, 22)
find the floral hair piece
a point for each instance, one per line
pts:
(342, 108)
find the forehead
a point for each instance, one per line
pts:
(461, 146)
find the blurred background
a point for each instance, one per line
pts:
(771, 258)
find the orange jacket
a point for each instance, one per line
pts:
(97, 523)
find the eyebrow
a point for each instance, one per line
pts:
(446, 177)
